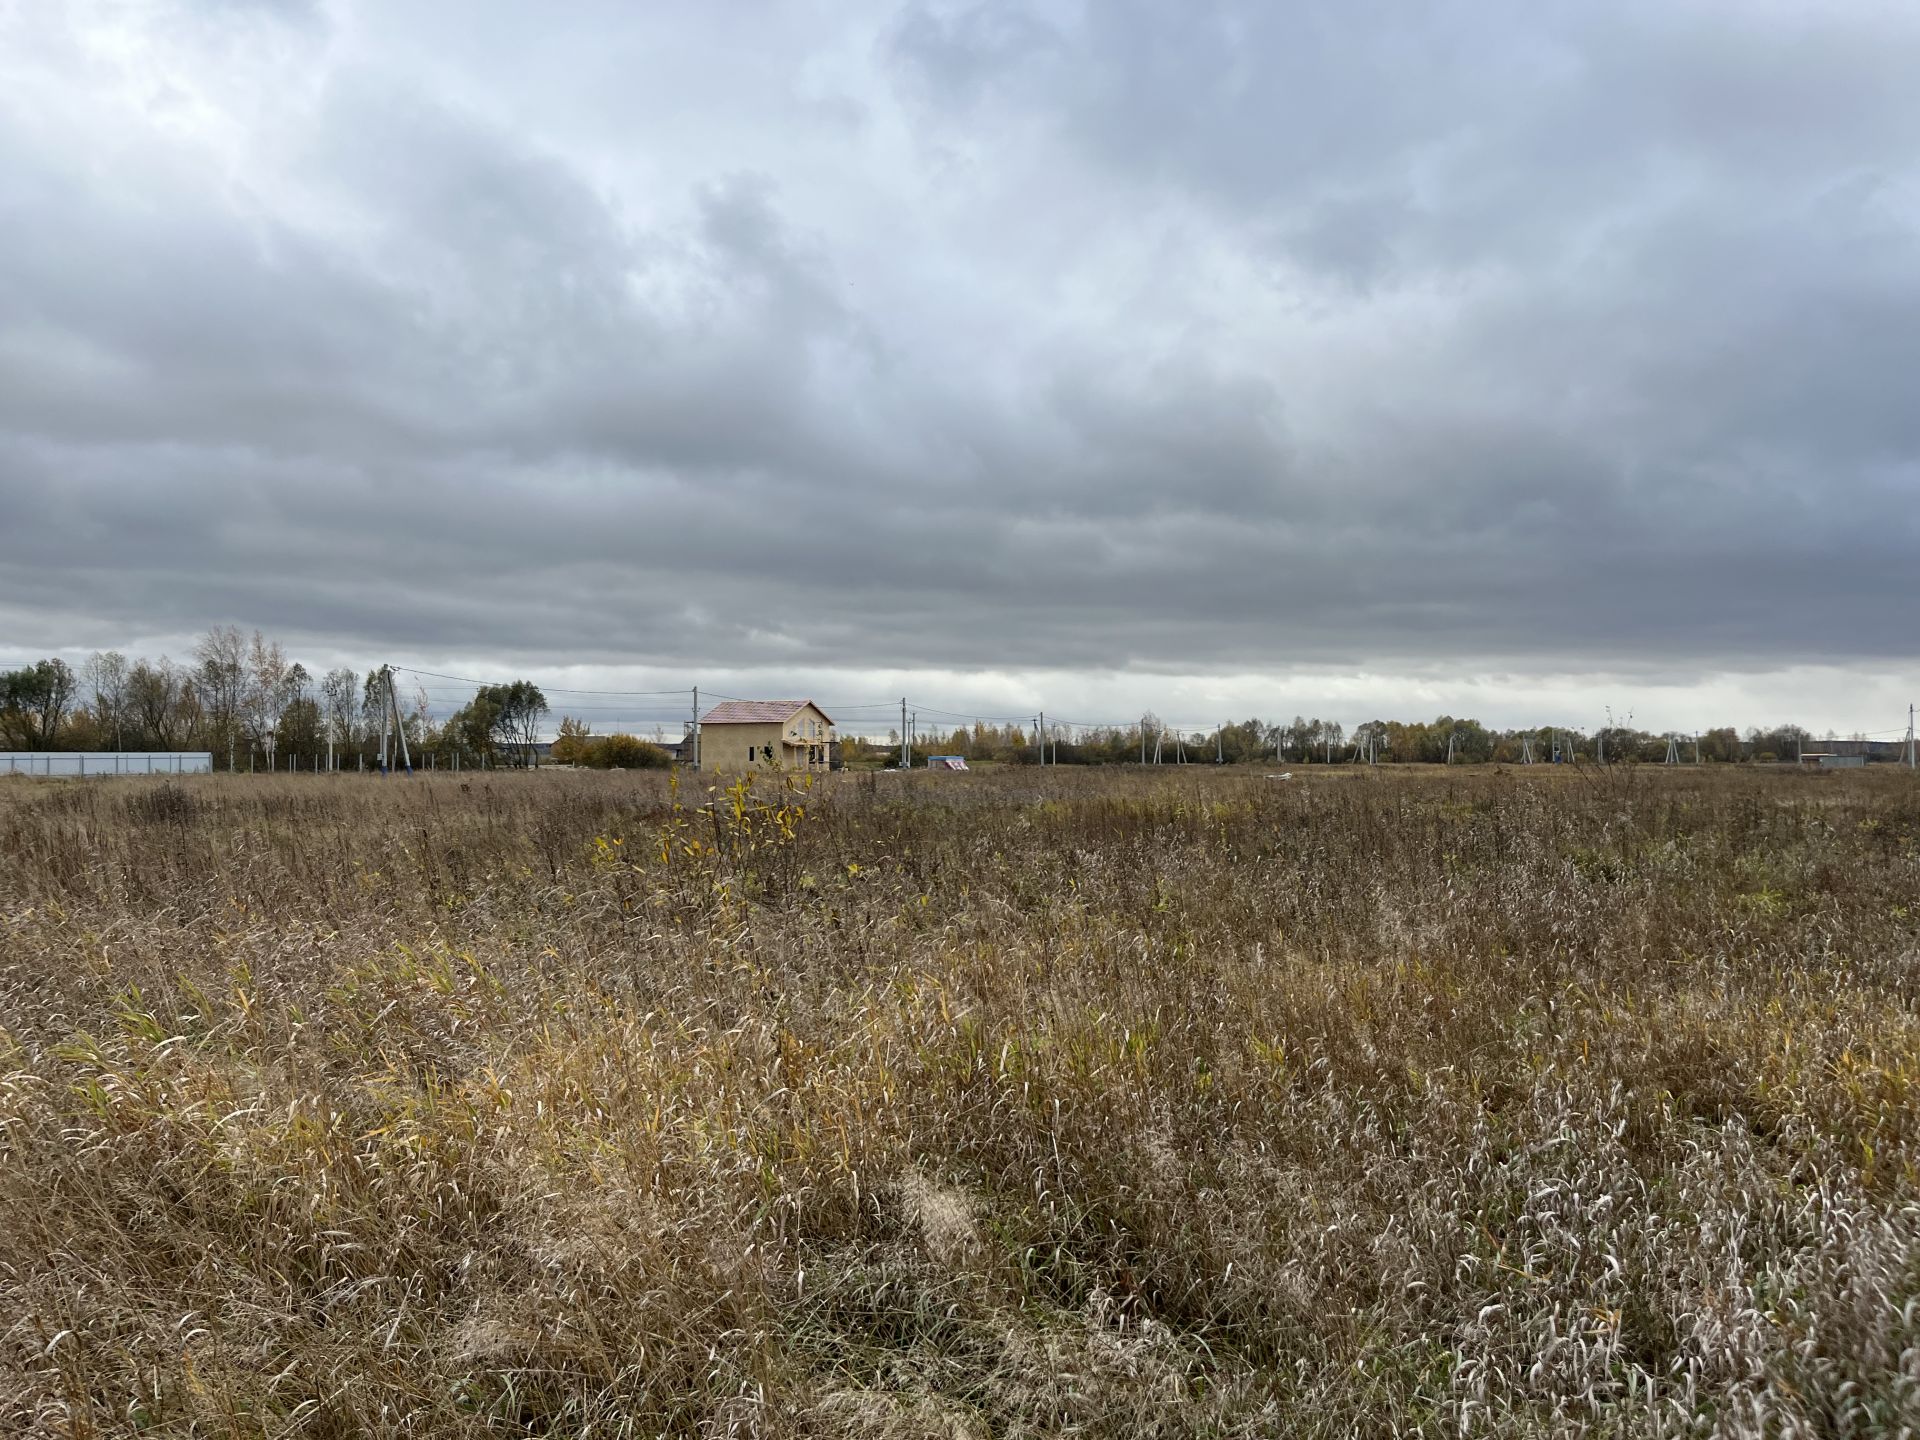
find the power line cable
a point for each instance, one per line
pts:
(545, 689)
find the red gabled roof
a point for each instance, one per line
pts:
(758, 712)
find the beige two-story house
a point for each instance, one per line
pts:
(765, 735)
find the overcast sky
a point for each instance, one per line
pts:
(1354, 358)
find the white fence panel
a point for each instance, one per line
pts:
(54, 764)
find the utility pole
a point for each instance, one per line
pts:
(695, 746)
(1220, 745)
(1910, 764)
(903, 733)
(1041, 726)
(1673, 748)
(399, 728)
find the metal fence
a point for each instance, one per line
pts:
(77, 763)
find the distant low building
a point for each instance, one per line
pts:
(1873, 752)
(1828, 760)
(739, 735)
(946, 762)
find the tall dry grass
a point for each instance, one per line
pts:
(1094, 1103)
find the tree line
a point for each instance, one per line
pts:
(242, 698)
(1315, 741)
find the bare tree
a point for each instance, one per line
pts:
(272, 685)
(220, 682)
(107, 675)
(340, 704)
(161, 707)
(418, 722)
(373, 703)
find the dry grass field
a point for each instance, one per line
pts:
(1101, 1103)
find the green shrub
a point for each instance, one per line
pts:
(625, 752)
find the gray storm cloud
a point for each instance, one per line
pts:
(1106, 337)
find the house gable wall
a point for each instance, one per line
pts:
(732, 747)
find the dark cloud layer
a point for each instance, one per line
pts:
(1094, 337)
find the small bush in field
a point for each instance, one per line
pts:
(576, 744)
(1015, 1103)
(626, 752)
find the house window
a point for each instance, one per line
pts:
(749, 754)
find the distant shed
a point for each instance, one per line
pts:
(1874, 752)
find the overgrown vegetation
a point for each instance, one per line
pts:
(1095, 1102)
(578, 745)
